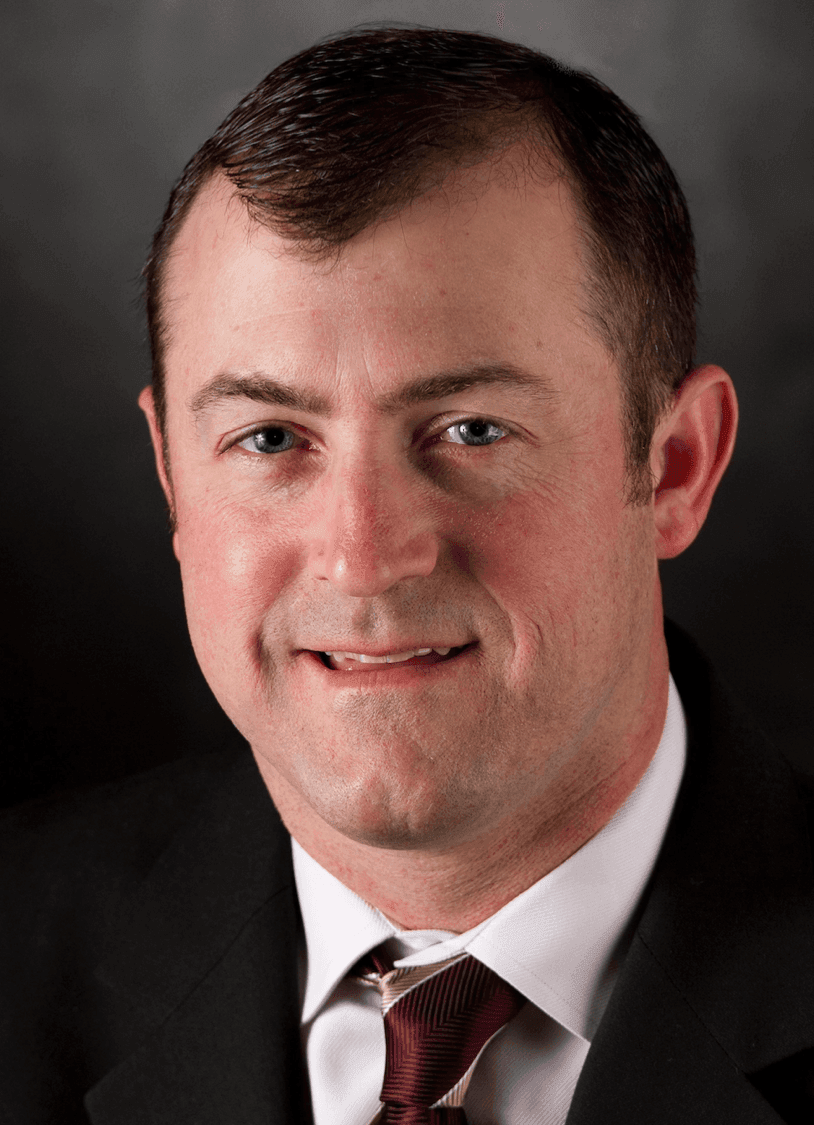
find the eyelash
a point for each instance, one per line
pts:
(293, 432)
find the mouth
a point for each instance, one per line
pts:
(361, 662)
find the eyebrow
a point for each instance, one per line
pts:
(258, 387)
(261, 387)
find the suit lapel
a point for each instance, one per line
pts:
(719, 980)
(205, 958)
(655, 1062)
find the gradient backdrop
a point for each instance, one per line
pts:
(104, 102)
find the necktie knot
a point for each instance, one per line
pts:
(437, 1020)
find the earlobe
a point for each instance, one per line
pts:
(691, 449)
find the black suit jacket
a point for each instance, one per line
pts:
(149, 950)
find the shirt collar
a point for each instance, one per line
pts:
(558, 943)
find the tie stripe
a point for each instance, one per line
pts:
(394, 983)
(437, 1021)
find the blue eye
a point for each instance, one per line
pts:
(273, 439)
(477, 431)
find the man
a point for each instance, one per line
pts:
(426, 416)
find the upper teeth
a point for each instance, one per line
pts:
(390, 658)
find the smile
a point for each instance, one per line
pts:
(362, 661)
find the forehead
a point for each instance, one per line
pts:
(485, 264)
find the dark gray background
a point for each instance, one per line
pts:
(104, 102)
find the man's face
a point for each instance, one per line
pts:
(417, 447)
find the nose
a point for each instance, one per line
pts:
(372, 533)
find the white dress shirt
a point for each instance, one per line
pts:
(559, 943)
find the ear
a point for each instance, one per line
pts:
(147, 403)
(690, 451)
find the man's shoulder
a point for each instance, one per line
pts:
(716, 994)
(117, 903)
(68, 858)
(135, 813)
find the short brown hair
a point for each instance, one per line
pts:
(353, 129)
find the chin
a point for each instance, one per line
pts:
(383, 787)
(396, 834)
(394, 817)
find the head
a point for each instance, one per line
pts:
(422, 320)
(350, 131)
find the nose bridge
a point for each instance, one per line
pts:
(375, 530)
(367, 496)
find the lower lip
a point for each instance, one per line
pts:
(406, 673)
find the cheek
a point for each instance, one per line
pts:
(541, 547)
(563, 564)
(234, 564)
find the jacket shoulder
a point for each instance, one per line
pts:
(67, 860)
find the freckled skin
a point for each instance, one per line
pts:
(440, 798)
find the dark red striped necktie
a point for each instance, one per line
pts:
(437, 1020)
